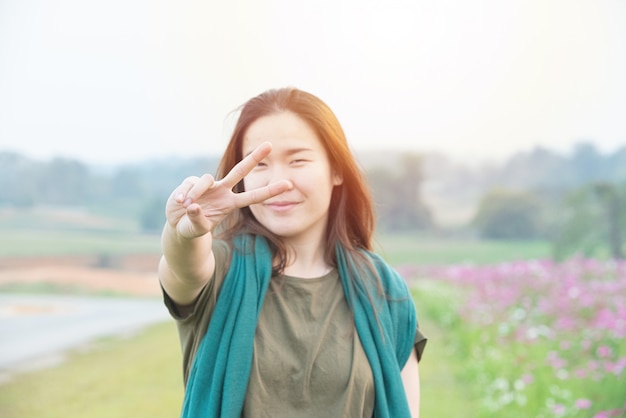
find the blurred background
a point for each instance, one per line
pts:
(490, 132)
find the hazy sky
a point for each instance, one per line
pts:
(125, 80)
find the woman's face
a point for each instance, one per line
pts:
(300, 214)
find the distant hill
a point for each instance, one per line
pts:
(450, 188)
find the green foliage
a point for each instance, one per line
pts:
(398, 196)
(141, 376)
(152, 216)
(508, 214)
(126, 191)
(590, 221)
(443, 369)
(530, 348)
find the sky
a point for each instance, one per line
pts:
(129, 80)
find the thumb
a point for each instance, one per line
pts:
(199, 222)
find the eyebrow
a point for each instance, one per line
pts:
(297, 150)
(289, 152)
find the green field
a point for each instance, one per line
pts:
(136, 377)
(397, 249)
(415, 249)
(25, 243)
(141, 376)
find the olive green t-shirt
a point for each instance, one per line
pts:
(308, 360)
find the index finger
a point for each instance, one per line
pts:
(262, 194)
(243, 167)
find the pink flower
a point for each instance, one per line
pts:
(583, 403)
(604, 351)
(609, 413)
(528, 379)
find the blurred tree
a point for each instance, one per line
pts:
(152, 216)
(616, 164)
(509, 214)
(590, 219)
(63, 182)
(128, 183)
(398, 197)
(17, 183)
(535, 169)
(612, 203)
(588, 164)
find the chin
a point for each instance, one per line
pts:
(283, 232)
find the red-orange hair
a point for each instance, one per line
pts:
(351, 214)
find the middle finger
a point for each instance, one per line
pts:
(243, 167)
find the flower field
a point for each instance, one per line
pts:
(540, 338)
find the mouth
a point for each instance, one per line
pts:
(280, 206)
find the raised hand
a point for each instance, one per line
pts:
(199, 204)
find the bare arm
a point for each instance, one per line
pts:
(186, 266)
(411, 380)
(193, 210)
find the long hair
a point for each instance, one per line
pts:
(350, 213)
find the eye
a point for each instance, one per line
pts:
(299, 161)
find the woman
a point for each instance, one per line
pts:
(282, 309)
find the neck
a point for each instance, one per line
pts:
(307, 259)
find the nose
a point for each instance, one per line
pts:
(278, 172)
(268, 174)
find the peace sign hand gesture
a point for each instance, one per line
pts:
(199, 204)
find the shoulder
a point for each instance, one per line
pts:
(398, 309)
(394, 284)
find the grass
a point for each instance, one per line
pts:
(50, 243)
(141, 376)
(442, 392)
(136, 377)
(523, 345)
(47, 288)
(397, 249)
(414, 249)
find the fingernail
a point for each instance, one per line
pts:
(180, 197)
(187, 202)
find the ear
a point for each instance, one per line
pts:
(337, 178)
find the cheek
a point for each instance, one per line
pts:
(253, 181)
(317, 183)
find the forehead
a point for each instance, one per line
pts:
(283, 130)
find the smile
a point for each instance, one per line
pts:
(281, 206)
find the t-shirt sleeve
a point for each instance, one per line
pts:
(420, 344)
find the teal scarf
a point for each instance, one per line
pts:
(219, 376)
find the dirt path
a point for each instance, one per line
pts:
(135, 276)
(61, 322)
